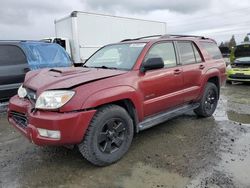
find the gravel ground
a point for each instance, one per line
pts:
(184, 152)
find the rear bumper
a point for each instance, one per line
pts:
(72, 125)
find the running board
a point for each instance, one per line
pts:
(162, 117)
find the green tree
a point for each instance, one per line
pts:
(232, 57)
(246, 39)
(232, 42)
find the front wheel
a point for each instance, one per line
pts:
(108, 137)
(209, 100)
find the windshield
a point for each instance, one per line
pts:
(117, 56)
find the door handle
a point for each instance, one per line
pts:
(177, 71)
(201, 67)
(26, 70)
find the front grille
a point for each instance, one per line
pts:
(19, 118)
(239, 76)
(31, 95)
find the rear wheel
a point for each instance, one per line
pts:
(209, 100)
(108, 137)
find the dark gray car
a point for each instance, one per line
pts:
(19, 57)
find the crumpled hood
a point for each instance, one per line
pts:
(59, 78)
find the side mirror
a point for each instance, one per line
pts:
(152, 63)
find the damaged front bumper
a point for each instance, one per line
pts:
(70, 126)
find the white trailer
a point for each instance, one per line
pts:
(87, 32)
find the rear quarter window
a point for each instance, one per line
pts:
(212, 49)
(11, 55)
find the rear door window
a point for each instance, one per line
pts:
(212, 49)
(11, 55)
(186, 52)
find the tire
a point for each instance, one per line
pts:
(108, 137)
(209, 101)
(229, 82)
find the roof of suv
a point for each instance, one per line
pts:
(154, 38)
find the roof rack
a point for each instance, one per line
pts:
(145, 37)
(167, 36)
(179, 36)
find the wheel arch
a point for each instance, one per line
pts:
(212, 76)
(129, 106)
(216, 81)
(124, 96)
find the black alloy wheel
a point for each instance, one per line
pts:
(112, 135)
(108, 136)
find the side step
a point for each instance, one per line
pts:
(164, 116)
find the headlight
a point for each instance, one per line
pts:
(22, 92)
(53, 99)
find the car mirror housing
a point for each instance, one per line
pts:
(152, 63)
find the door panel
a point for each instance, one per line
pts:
(161, 89)
(192, 66)
(191, 81)
(13, 67)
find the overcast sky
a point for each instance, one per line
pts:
(219, 19)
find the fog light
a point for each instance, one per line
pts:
(49, 133)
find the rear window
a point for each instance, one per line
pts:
(11, 55)
(212, 49)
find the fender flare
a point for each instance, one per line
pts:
(113, 94)
(210, 73)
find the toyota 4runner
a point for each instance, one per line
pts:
(122, 89)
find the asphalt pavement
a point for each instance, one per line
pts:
(184, 152)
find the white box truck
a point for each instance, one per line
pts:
(82, 33)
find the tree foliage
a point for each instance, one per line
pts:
(232, 42)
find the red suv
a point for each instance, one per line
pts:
(122, 89)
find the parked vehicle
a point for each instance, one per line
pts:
(225, 51)
(80, 33)
(122, 89)
(19, 57)
(239, 69)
